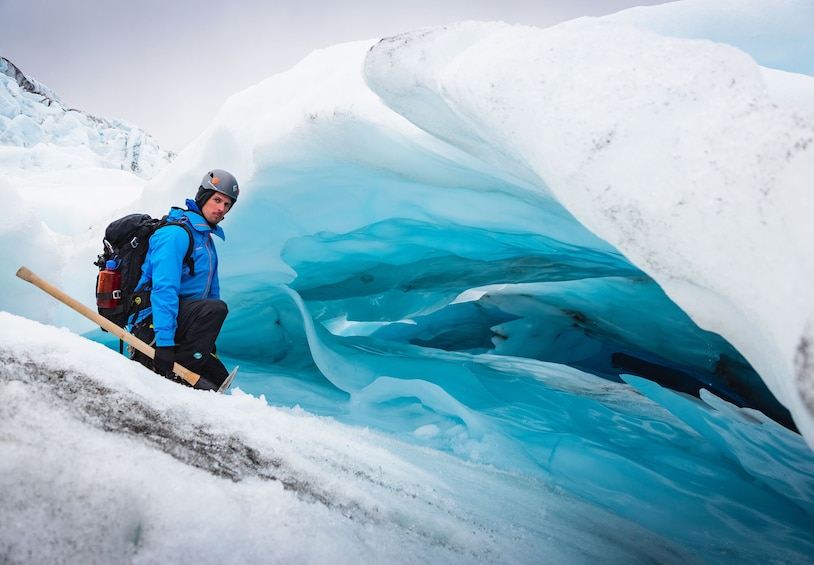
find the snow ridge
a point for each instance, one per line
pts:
(27, 83)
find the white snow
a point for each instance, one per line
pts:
(105, 463)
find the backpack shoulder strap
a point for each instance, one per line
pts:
(188, 259)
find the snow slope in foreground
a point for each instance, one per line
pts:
(115, 465)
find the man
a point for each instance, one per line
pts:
(184, 312)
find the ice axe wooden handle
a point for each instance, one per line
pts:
(26, 274)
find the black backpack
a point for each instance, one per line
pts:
(125, 244)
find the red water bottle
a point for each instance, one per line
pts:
(108, 289)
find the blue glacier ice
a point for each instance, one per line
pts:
(541, 263)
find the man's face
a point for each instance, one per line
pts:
(216, 207)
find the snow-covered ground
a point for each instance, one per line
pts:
(104, 463)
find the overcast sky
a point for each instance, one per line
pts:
(167, 66)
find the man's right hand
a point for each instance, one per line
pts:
(164, 359)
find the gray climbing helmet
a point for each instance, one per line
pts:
(220, 181)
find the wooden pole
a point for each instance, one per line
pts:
(25, 274)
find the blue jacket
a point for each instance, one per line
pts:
(168, 278)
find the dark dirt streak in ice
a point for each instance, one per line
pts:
(224, 455)
(124, 413)
(804, 366)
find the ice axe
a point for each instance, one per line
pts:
(190, 377)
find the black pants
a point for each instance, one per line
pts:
(199, 323)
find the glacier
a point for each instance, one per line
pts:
(32, 114)
(497, 294)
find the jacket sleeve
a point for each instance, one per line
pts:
(167, 249)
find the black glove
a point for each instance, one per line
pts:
(164, 359)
